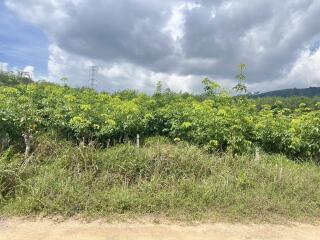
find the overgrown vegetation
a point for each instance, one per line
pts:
(178, 181)
(197, 160)
(219, 123)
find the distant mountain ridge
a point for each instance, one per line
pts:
(301, 92)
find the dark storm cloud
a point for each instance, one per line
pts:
(267, 35)
(122, 30)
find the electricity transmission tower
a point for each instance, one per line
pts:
(93, 73)
(24, 74)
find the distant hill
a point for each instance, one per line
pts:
(301, 92)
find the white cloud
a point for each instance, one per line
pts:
(113, 77)
(135, 43)
(175, 24)
(30, 71)
(3, 66)
(305, 72)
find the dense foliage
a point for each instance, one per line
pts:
(218, 121)
(201, 166)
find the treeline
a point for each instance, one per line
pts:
(301, 92)
(217, 121)
(10, 79)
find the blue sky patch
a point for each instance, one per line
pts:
(21, 43)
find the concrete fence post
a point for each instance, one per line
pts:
(257, 154)
(138, 140)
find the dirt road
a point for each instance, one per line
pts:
(14, 229)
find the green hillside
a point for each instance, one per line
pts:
(302, 92)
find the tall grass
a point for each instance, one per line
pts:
(179, 181)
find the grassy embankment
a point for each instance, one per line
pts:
(178, 181)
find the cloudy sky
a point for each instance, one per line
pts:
(136, 43)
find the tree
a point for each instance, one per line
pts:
(64, 80)
(158, 88)
(210, 87)
(241, 88)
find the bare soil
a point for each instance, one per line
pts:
(18, 229)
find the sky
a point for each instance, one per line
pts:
(136, 43)
(22, 45)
